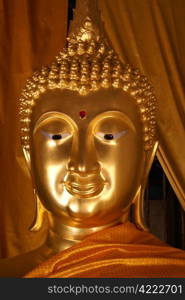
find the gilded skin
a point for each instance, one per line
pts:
(82, 177)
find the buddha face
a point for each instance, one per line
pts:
(87, 155)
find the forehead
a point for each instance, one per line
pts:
(95, 103)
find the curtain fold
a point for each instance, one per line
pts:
(31, 34)
(149, 34)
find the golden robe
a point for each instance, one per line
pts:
(118, 252)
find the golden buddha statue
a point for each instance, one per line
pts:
(88, 131)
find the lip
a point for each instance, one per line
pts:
(84, 190)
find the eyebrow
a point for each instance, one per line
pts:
(107, 114)
(121, 115)
(50, 115)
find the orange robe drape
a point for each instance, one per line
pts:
(120, 251)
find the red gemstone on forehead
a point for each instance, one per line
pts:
(82, 114)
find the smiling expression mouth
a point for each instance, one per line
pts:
(84, 190)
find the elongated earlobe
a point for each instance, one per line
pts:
(40, 214)
(139, 204)
(27, 157)
(139, 210)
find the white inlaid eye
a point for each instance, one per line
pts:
(56, 136)
(110, 136)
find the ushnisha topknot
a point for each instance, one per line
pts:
(87, 64)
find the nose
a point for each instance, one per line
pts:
(83, 158)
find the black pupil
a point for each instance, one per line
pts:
(56, 136)
(108, 136)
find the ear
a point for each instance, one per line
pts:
(139, 216)
(40, 214)
(27, 157)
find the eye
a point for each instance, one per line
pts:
(57, 136)
(110, 136)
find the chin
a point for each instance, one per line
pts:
(77, 212)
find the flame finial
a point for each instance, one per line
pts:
(86, 18)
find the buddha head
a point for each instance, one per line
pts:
(88, 132)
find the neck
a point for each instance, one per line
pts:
(61, 236)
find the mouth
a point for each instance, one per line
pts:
(84, 190)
